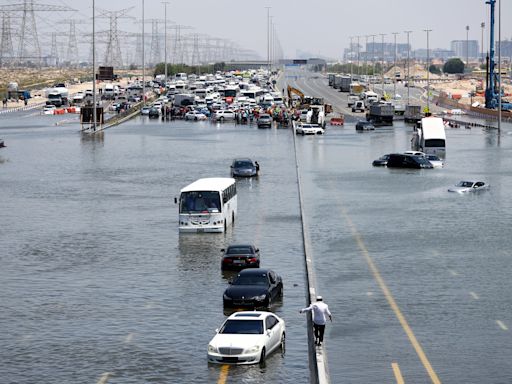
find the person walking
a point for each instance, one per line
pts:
(320, 313)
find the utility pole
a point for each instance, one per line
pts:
(482, 25)
(499, 67)
(467, 47)
(366, 55)
(143, 61)
(408, 56)
(94, 112)
(428, 71)
(351, 58)
(165, 40)
(382, 64)
(268, 38)
(394, 66)
(358, 61)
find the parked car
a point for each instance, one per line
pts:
(247, 338)
(224, 114)
(435, 161)
(401, 160)
(145, 110)
(264, 121)
(254, 288)
(244, 168)
(308, 129)
(240, 256)
(195, 115)
(154, 113)
(364, 126)
(469, 186)
(48, 109)
(381, 161)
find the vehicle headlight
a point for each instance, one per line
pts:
(253, 349)
(212, 349)
(260, 297)
(226, 297)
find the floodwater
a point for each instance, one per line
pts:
(97, 281)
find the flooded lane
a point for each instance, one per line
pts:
(97, 282)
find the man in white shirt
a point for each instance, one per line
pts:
(320, 313)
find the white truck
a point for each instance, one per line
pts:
(430, 137)
(316, 115)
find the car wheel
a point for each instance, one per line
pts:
(282, 344)
(262, 356)
(303, 133)
(233, 218)
(225, 225)
(221, 119)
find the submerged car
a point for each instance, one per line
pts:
(381, 161)
(435, 161)
(469, 186)
(195, 115)
(364, 126)
(244, 168)
(247, 338)
(240, 256)
(401, 160)
(154, 113)
(145, 110)
(254, 288)
(308, 129)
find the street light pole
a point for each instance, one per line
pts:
(408, 56)
(382, 63)
(268, 37)
(467, 47)
(165, 40)
(499, 67)
(483, 26)
(94, 113)
(428, 71)
(358, 62)
(394, 66)
(351, 58)
(143, 62)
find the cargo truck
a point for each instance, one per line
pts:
(345, 82)
(412, 113)
(381, 114)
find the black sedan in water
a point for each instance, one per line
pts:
(244, 168)
(381, 161)
(254, 288)
(240, 256)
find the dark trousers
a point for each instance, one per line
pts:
(319, 332)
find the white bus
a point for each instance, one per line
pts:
(208, 205)
(431, 137)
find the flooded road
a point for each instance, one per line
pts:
(97, 282)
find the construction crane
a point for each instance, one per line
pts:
(492, 90)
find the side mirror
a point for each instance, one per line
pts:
(223, 250)
(175, 200)
(216, 330)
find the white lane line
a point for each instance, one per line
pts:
(474, 295)
(128, 338)
(502, 325)
(104, 378)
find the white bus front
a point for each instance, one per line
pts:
(201, 211)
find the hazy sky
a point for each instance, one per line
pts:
(320, 27)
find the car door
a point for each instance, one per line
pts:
(273, 333)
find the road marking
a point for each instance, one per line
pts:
(502, 325)
(392, 303)
(103, 379)
(398, 374)
(474, 295)
(453, 273)
(369, 294)
(128, 338)
(223, 374)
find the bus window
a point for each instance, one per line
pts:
(194, 202)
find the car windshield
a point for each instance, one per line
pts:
(238, 250)
(251, 280)
(422, 160)
(466, 184)
(243, 164)
(200, 201)
(253, 327)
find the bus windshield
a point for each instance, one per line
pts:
(200, 202)
(230, 92)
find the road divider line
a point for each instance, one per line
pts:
(392, 303)
(398, 374)
(474, 295)
(502, 325)
(223, 374)
(104, 378)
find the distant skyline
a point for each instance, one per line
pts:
(321, 27)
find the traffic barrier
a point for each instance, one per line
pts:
(337, 121)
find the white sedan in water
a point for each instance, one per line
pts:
(469, 186)
(247, 338)
(195, 115)
(308, 129)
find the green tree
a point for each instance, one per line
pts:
(453, 66)
(434, 69)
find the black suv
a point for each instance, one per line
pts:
(399, 160)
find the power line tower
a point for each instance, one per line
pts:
(113, 55)
(155, 52)
(28, 47)
(54, 55)
(72, 51)
(6, 46)
(195, 58)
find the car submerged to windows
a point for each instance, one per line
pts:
(244, 168)
(469, 186)
(253, 288)
(401, 160)
(247, 338)
(240, 256)
(308, 129)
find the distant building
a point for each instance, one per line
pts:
(465, 48)
(506, 48)
(436, 53)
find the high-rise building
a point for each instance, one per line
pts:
(465, 48)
